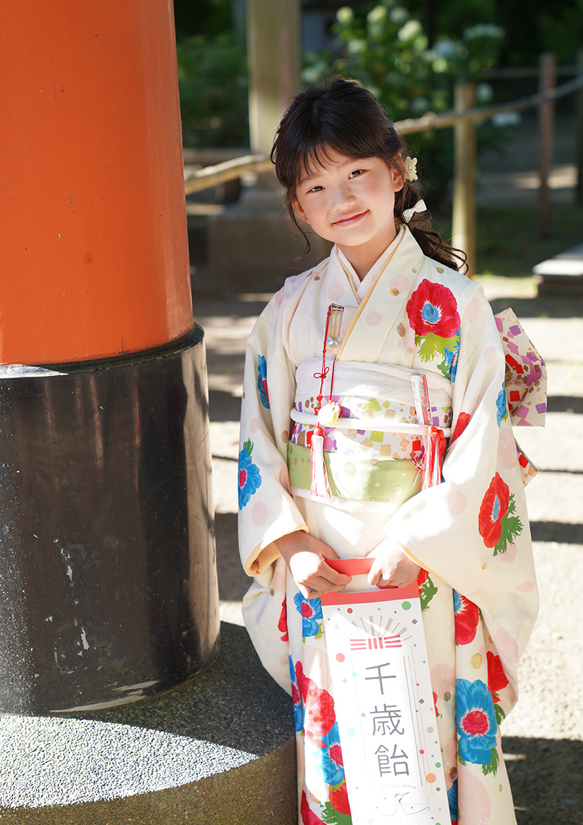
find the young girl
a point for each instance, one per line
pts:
(387, 304)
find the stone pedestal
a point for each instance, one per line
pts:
(562, 274)
(219, 751)
(254, 247)
(107, 557)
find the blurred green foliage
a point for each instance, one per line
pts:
(208, 17)
(531, 27)
(212, 79)
(409, 54)
(388, 52)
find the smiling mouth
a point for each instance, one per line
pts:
(350, 220)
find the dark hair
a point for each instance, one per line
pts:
(345, 118)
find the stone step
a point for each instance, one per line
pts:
(220, 751)
(562, 273)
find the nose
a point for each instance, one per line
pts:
(344, 198)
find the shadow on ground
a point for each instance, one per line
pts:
(240, 691)
(224, 406)
(565, 403)
(233, 581)
(544, 792)
(561, 532)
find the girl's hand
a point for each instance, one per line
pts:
(306, 557)
(391, 565)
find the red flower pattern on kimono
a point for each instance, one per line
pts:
(462, 422)
(308, 816)
(497, 679)
(282, 624)
(422, 577)
(493, 508)
(433, 309)
(466, 617)
(339, 798)
(319, 715)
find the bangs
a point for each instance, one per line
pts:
(312, 156)
(341, 118)
(317, 131)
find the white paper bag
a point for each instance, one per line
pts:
(384, 702)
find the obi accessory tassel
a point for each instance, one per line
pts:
(435, 442)
(435, 445)
(320, 486)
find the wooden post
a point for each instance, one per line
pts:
(250, 246)
(546, 125)
(464, 185)
(273, 33)
(579, 137)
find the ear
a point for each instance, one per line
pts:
(398, 176)
(296, 206)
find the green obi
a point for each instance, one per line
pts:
(357, 479)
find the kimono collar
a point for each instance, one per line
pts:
(362, 287)
(378, 311)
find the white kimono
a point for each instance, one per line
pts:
(469, 534)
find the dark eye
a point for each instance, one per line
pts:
(315, 189)
(356, 172)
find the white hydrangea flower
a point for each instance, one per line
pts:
(410, 30)
(345, 15)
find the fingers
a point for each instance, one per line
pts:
(325, 577)
(317, 588)
(339, 580)
(314, 576)
(376, 573)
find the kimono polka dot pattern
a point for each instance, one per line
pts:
(469, 534)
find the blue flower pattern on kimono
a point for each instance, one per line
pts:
(330, 757)
(453, 802)
(249, 475)
(311, 611)
(262, 382)
(297, 701)
(501, 408)
(476, 721)
(452, 355)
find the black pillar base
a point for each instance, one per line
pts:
(108, 586)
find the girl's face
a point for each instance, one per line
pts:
(351, 203)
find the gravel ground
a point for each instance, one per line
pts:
(544, 734)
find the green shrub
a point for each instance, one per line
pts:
(212, 78)
(388, 53)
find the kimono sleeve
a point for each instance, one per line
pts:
(472, 529)
(266, 508)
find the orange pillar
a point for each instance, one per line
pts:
(93, 248)
(107, 557)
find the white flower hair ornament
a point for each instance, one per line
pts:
(411, 169)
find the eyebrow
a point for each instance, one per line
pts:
(307, 177)
(311, 175)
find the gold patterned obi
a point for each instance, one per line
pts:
(374, 450)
